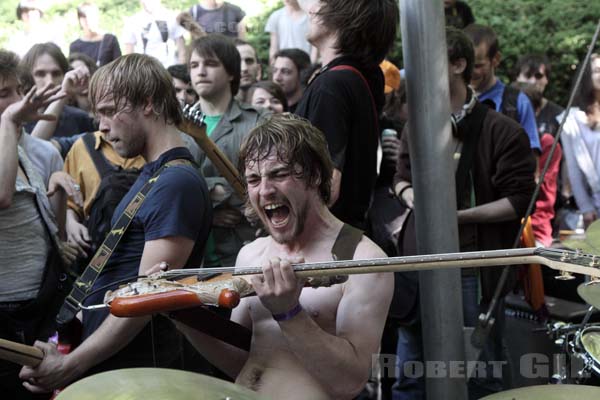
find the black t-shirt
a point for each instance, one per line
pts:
(103, 51)
(340, 105)
(546, 120)
(223, 20)
(71, 121)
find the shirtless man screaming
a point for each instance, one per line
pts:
(307, 343)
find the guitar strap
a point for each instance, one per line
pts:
(346, 243)
(86, 280)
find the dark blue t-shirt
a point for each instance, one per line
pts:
(177, 205)
(71, 121)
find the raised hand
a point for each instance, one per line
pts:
(27, 109)
(75, 82)
(61, 180)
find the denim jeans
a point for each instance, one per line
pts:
(409, 348)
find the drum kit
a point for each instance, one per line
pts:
(154, 384)
(578, 363)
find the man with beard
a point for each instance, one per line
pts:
(307, 343)
(288, 66)
(345, 98)
(251, 70)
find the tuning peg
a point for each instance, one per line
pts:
(564, 276)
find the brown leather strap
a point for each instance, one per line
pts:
(346, 243)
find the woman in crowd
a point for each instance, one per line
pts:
(269, 95)
(101, 47)
(581, 143)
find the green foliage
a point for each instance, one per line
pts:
(560, 29)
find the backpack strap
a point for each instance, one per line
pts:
(362, 77)
(346, 243)
(100, 162)
(509, 102)
(85, 282)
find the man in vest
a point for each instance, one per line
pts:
(307, 343)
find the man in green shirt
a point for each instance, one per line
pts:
(215, 72)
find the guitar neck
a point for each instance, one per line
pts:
(20, 353)
(197, 130)
(568, 261)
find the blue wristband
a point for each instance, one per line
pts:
(288, 315)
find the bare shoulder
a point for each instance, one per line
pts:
(368, 249)
(253, 251)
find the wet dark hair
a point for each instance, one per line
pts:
(460, 46)
(366, 29)
(271, 87)
(483, 34)
(297, 143)
(223, 48)
(133, 79)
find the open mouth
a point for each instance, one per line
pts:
(278, 214)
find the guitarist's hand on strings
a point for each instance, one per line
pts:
(55, 371)
(278, 288)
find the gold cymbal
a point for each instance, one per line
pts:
(548, 392)
(154, 384)
(590, 292)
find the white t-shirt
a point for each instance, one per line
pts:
(43, 155)
(143, 25)
(290, 32)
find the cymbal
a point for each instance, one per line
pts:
(548, 392)
(590, 292)
(154, 384)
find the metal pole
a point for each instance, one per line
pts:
(430, 142)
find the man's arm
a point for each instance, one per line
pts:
(73, 81)
(336, 181)
(13, 117)
(497, 211)
(128, 48)
(340, 362)
(227, 358)
(9, 133)
(273, 46)
(181, 51)
(57, 370)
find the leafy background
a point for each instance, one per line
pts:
(561, 29)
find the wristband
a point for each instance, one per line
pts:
(288, 315)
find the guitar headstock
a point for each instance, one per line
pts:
(569, 261)
(193, 122)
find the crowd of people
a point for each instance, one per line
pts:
(100, 183)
